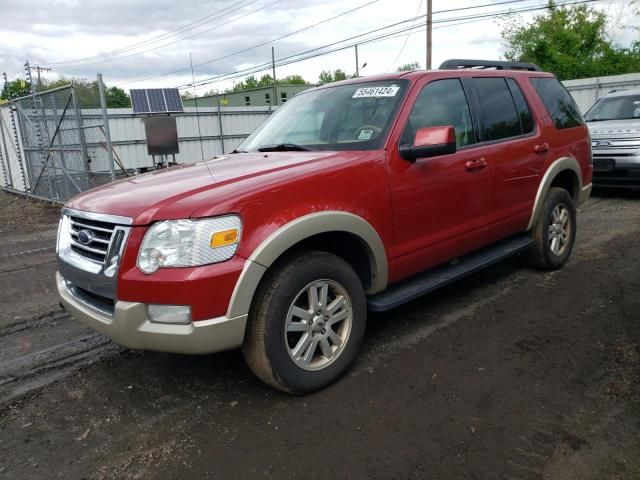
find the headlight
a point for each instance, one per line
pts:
(189, 243)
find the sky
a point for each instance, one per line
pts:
(139, 43)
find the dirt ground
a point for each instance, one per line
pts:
(509, 374)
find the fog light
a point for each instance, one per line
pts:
(176, 314)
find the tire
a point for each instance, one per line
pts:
(557, 220)
(282, 330)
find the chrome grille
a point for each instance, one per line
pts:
(93, 243)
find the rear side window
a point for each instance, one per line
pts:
(559, 103)
(497, 110)
(526, 120)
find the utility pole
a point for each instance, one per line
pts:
(357, 63)
(429, 25)
(275, 85)
(38, 70)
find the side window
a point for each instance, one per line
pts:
(441, 103)
(559, 103)
(526, 119)
(497, 109)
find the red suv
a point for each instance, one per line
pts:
(354, 196)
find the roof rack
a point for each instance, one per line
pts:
(458, 63)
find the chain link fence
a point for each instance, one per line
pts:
(53, 143)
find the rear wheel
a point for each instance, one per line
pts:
(306, 323)
(554, 232)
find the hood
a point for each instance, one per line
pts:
(608, 128)
(142, 197)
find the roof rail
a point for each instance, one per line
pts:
(458, 63)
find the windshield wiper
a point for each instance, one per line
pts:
(283, 147)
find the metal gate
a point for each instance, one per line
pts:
(61, 153)
(53, 143)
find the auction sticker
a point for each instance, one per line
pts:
(376, 92)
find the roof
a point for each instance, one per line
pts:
(414, 75)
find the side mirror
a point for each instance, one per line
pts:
(430, 142)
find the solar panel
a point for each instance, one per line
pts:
(139, 101)
(174, 102)
(156, 100)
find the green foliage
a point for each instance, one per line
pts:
(571, 42)
(327, 76)
(407, 67)
(117, 98)
(89, 96)
(86, 91)
(14, 89)
(266, 80)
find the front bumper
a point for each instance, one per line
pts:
(619, 177)
(131, 327)
(614, 170)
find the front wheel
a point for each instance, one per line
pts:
(554, 232)
(306, 323)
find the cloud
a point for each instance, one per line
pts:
(53, 31)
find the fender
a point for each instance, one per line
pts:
(297, 230)
(558, 166)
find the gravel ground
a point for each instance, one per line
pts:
(511, 373)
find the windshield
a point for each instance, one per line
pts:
(615, 108)
(344, 117)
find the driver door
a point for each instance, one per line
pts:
(440, 204)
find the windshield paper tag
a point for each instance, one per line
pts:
(365, 135)
(376, 92)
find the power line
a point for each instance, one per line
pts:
(208, 62)
(386, 36)
(404, 44)
(196, 23)
(257, 45)
(188, 36)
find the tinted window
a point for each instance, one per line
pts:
(526, 120)
(561, 107)
(498, 112)
(441, 103)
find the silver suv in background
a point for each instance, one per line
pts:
(614, 124)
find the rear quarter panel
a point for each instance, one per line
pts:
(569, 142)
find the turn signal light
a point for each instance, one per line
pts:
(222, 239)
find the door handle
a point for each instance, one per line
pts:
(541, 148)
(476, 164)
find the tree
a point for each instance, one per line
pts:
(327, 76)
(407, 67)
(88, 93)
(16, 88)
(266, 80)
(292, 80)
(571, 42)
(117, 98)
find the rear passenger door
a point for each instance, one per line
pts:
(515, 151)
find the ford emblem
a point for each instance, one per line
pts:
(85, 237)
(603, 143)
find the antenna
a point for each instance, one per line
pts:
(195, 98)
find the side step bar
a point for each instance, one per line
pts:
(442, 275)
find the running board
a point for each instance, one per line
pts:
(437, 277)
